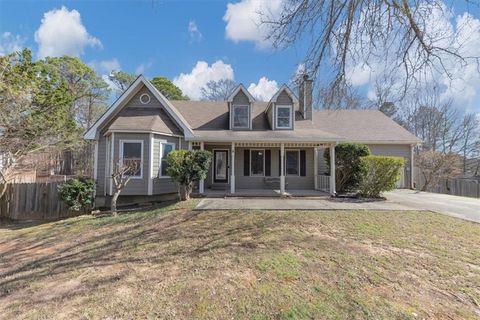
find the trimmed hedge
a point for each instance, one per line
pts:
(380, 174)
(348, 167)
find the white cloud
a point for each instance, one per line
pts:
(244, 20)
(61, 32)
(141, 68)
(10, 43)
(264, 89)
(106, 65)
(194, 32)
(192, 83)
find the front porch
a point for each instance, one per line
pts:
(267, 169)
(266, 193)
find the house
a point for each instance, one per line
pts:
(277, 144)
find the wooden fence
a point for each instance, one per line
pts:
(33, 201)
(458, 187)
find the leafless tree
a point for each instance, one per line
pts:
(435, 166)
(399, 34)
(122, 173)
(218, 90)
(470, 138)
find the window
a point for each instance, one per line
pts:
(257, 162)
(131, 152)
(165, 149)
(240, 116)
(292, 162)
(284, 117)
(145, 98)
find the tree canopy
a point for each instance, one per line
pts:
(168, 89)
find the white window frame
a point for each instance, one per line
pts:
(280, 106)
(233, 116)
(162, 143)
(257, 175)
(298, 166)
(141, 159)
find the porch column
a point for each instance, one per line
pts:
(190, 145)
(315, 167)
(201, 182)
(412, 167)
(332, 170)
(282, 169)
(232, 169)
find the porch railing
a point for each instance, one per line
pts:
(323, 183)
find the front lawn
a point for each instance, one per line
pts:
(175, 263)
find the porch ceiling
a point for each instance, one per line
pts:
(267, 144)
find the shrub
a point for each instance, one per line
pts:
(186, 167)
(381, 173)
(348, 167)
(77, 193)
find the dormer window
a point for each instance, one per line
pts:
(241, 117)
(284, 117)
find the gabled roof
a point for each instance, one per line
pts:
(285, 88)
(290, 93)
(237, 89)
(93, 132)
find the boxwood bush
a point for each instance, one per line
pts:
(77, 193)
(380, 174)
(348, 167)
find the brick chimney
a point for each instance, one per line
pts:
(305, 97)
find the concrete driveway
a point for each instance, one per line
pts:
(460, 207)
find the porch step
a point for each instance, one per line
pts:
(219, 186)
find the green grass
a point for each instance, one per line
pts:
(175, 263)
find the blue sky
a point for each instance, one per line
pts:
(168, 38)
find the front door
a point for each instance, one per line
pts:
(220, 166)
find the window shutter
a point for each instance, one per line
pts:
(268, 170)
(303, 163)
(246, 162)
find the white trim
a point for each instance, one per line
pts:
(332, 170)
(145, 95)
(290, 107)
(112, 161)
(239, 88)
(315, 167)
(213, 165)
(285, 88)
(232, 169)
(95, 162)
(92, 133)
(201, 183)
(282, 169)
(257, 175)
(142, 131)
(298, 167)
(248, 116)
(162, 143)
(150, 166)
(120, 155)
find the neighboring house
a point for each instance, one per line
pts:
(248, 139)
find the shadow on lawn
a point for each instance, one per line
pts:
(168, 237)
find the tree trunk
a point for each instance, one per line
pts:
(113, 206)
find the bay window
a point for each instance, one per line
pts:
(131, 153)
(165, 149)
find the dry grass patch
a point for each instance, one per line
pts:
(175, 263)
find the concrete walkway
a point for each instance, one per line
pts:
(460, 207)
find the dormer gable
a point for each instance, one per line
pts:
(281, 109)
(240, 104)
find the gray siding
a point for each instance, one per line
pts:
(163, 185)
(135, 186)
(248, 182)
(241, 99)
(381, 150)
(135, 101)
(284, 99)
(101, 157)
